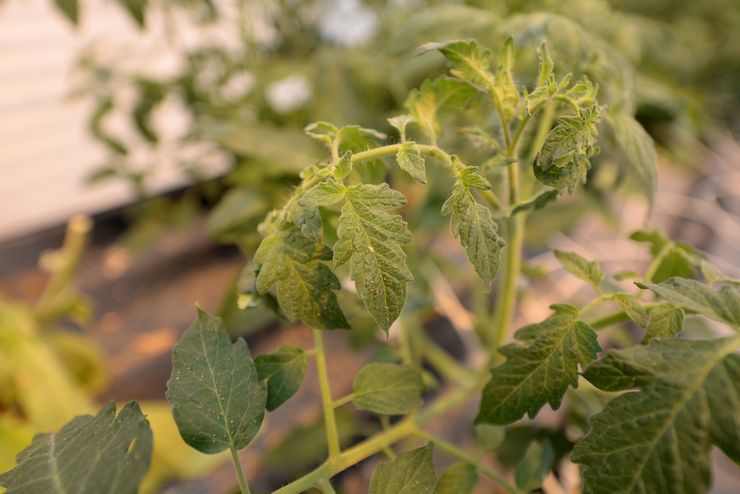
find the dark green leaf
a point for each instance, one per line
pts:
(664, 321)
(137, 9)
(70, 9)
(460, 478)
(89, 455)
(412, 162)
(371, 239)
(217, 399)
(578, 266)
(387, 389)
(721, 304)
(284, 370)
(410, 473)
(638, 149)
(539, 202)
(532, 470)
(657, 439)
(539, 367)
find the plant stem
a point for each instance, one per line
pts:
(605, 321)
(466, 457)
(330, 422)
(342, 401)
(439, 359)
(243, 485)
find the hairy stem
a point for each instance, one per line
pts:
(243, 485)
(330, 422)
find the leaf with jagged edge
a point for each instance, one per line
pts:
(305, 212)
(217, 398)
(291, 262)
(632, 307)
(460, 478)
(546, 86)
(370, 239)
(506, 92)
(563, 160)
(444, 92)
(580, 267)
(539, 367)
(721, 303)
(664, 321)
(637, 149)
(411, 472)
(468, 60)
(344, 166)
(473, 224)
(657, 439)
(411, 161)
(283, 370)
(387, 389)
(105, 453)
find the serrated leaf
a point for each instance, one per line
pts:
(657, 439)
(470, 177)
(664, 321)
(473, 224)
(580, 267)
(283, 370)
(721, 304)
(97, 454)
(539, 367)
(387, 389)
(632, 307)
(371, 239)
(70, 9)
(411, 161)
(539, 202)
(536, 463)
(217, 399)
(460, 478)
(292, 263)
(467, 59)
(638, 149)
(348, 138)
(410, 473)
(326, 193)
(506, 92)
(344, 166)
(563, 160)
(546, 85)
(424, 103)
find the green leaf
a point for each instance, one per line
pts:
(460, 478)
(657, 439)
(632, 307)
(546, 85)
(506, 92)
(664, 321)
(489, 437)
(470, 177)
(638, 149)
(88, 455)
(473, 224)
(387, 389)
(410, 473)
(344, 166)
(433, 96)
(283, 370)
(371, 239)
(467, 59)
(326, 193)
(539, 367)
(412, 162)
(292, 263)
(348, 138)
(539, 202)
(581, 268)
(137, 10)
(721, 304)
(70, 9)
(563, 160)
(537, 461)
(217, 399)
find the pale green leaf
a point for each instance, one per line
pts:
(467, 59)
(292, 263)
(411, 161)
(546, 85)
(217, 399)
(638, 149)
(633, 308)
(460, 478)
(489, 437)
(400, 122)
(473, 224)
(344, 166)
(721, 303)
(563, 161)
(88, 455)
(505, 90)
(578, 266)
(539, 202)
(326, 193)
(539, 367)
(410, 473)
(424, 103)
(658, 439)
(664, 321)
(387, 389)
(470, 177)
(534, 466)
(283, 370)
(371, 239)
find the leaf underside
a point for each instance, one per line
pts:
(387, 389)
(410, 473)
(89, 455)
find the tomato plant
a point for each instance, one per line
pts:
(535, 137)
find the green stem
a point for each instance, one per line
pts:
(330, 422)
(466, 457)
(610, 319)
(439, 359)
(325, 487)
(243, 485)
(342, 401)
